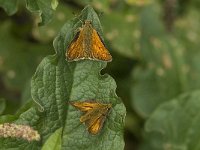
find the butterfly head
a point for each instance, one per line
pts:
(88, 22)
(106, 108)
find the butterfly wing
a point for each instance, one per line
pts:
(96, 126)
(75, 50)
(85, 106)
(98, 49)
(94, 120)
(95, 114)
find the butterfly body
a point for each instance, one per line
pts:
(87, 44)
(86, 31)
(95, 114)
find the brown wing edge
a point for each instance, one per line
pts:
(104, 46)
(67, 49)
(101, 121)
(74, 104)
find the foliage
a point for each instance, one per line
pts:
(56, 82)
(155, 50)
(173, 133)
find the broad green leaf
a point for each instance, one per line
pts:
(175, 124)
(56, 82)
(54, 141)
(78, 81)
(45, 8)
(10, 6)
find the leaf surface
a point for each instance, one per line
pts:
(10, 6)
(45, 8)
(175, 124)
(56, 82)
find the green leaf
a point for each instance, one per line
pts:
(102, 5)
(175, 124)
(54, 141)
(7, 118)
(152, 87)
(56, 82)
(10, 6)
(170, 65)
(78, 81)
(2, 105)
(47, 34)
(161, 75)
(11, 118)
(54, 4)
(25, 51)
(45, 8)
(123, 33)
(190, 44)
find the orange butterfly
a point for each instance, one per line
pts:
(95, 114)
(87, 44)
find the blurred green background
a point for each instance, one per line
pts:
(154, 44)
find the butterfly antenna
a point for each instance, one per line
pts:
(81, 21)
(78, 17)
